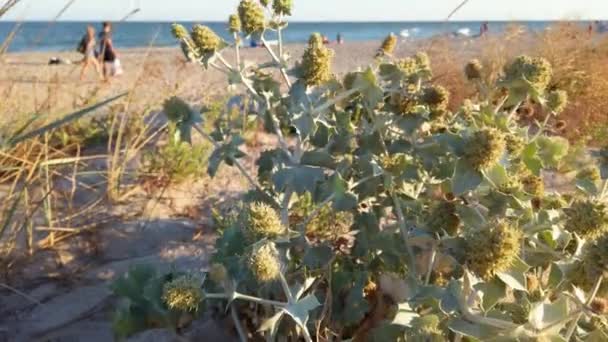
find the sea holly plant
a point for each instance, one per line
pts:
(385, 212)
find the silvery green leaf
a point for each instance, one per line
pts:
(405, 315)
(471, 217)
(493, 291)
(545, 314)
(476, 331)
(319, 157)
(367, 84)
(531, 159)
(304, 123)
(300, 289)
(410, 123)
(587, 186)
(596, 336)
(301, 178)
(336, 186)
(317, 256)
(465, 178)
(272, 323)
(515, 276)
(552, 149)
(497, 175)
(300, 310)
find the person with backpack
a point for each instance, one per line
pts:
(87, 48)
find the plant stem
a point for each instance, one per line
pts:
(405, 235)
(500, 104)
(431, 265)
(223, 61)
(237, 50)
(574, 324)
(285, 210)
(542, 127)
(514, 111)
(237, 324)
(278, 61)
(246, 298)
(333, 101)
(604, 189)
(286, 288)
(280, 34)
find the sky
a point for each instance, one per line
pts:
(318, 10)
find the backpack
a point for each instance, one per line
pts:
(82, 46)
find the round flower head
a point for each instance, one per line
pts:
(179, 31)
(395, 163)
(183, 293)
(599, 306)
(533, 185)
(329, 225)
(484, 148)
(205, 40)
(587, 218)
(281, 7)
(425, 329)
(514, 144)
(234, 24)
(560, 125)
(443, 217)
(492, 249)
(263, 221)
(316, 62)
(436, 97)
(473, 70)
(177, 110)
(252, 17)
(388, 45)
(595, 260)
(526, 70)
(557, 100)
(264, 262)
(218, 273)
(408, 66)
(526, 111)
(511, 186)
(590, 172)
(423, 61)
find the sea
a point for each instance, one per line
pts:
(64, 36)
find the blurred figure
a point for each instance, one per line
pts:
(483, 29)
(107, 54)
(339, 39)
(87, 48)
(325, 40)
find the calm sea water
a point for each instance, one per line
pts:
(64, 36)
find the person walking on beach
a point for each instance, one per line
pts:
(87, 48)
(107, 54)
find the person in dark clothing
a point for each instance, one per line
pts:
(107, 54)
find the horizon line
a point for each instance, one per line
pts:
(311, 21)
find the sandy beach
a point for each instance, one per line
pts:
(29, 85)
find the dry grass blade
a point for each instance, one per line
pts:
(69, 118)
(7, 6)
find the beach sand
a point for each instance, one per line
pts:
(29, 85)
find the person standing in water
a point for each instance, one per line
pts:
(87, 48)
(107, 54)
